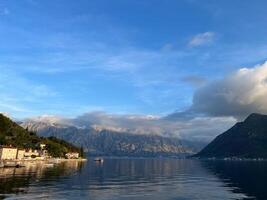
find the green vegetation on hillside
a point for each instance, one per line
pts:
(13, 134)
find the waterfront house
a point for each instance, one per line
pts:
(30, 153)
(8, 153)
(20, 154)
(13, 153)
(72, 155)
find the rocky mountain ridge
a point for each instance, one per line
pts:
(111, 143)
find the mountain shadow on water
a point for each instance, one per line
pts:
(246, 177)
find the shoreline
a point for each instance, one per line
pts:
(230, 159)
(46, 160)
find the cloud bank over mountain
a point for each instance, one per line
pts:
(198, 128)
(216, 106)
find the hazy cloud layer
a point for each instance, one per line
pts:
(198, 128)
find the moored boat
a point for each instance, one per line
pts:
(10, 164)
(99, 160)
(13, 164)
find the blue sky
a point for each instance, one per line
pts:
(128, 57)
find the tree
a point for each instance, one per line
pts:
(82, 152)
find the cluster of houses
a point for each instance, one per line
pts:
(13, 153)
(72, 155)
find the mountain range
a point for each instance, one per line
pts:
(100, 141)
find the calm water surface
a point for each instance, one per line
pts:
(149, 179)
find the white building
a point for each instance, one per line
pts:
(20, 154)
(30, 153)
(13, 153)
(8, 153)
(72, 155)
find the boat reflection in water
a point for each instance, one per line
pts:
(14, 181)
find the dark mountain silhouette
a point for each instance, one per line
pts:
(247, 139)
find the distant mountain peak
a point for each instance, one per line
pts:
(255, 117)
(48, 120)
(247, 139)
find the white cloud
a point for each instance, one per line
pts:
(219, 104)
(237, 94)
(51, 119)
(201, 39)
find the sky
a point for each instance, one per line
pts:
(173, 58)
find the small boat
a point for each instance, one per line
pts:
(99, 160)
(10, 164)
(20, 165)
(13, 164)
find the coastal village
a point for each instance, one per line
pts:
(13, 153)
(19, 147)
(10, 156)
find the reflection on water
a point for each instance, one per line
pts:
(155, 179)
(246, 177)
(16, 181)
(150, 179)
